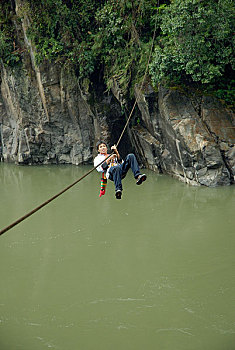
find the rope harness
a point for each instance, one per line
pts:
(7, 228)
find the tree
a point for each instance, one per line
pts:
(196, 44)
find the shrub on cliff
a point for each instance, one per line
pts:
(196, 44)
(10, 50)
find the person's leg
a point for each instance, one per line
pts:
(115, 174)
(130, 162)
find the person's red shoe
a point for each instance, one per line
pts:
(102, 193)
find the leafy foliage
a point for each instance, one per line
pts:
(61, 31)
(9, 52)
(194, 42)
(125, 31)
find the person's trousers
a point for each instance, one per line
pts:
(118, 172)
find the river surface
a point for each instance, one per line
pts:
(155, 270)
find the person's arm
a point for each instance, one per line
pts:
(114, 148)
(98, 159)
(105, 165)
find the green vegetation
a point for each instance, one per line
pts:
(8, 51)
(196, 45)
(193, 45)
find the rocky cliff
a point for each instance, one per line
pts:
(52, 120)
(190, 137)
(49, 116)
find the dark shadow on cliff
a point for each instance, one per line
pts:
(104, 102)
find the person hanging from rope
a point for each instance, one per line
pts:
(115, 169)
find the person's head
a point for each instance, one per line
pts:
(102, 147)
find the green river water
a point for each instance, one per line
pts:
(155, 270)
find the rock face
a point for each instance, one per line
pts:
(190, 139)
(49, 116)
(55, 123)
(52, 123)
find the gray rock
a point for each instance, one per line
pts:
(194, 147)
